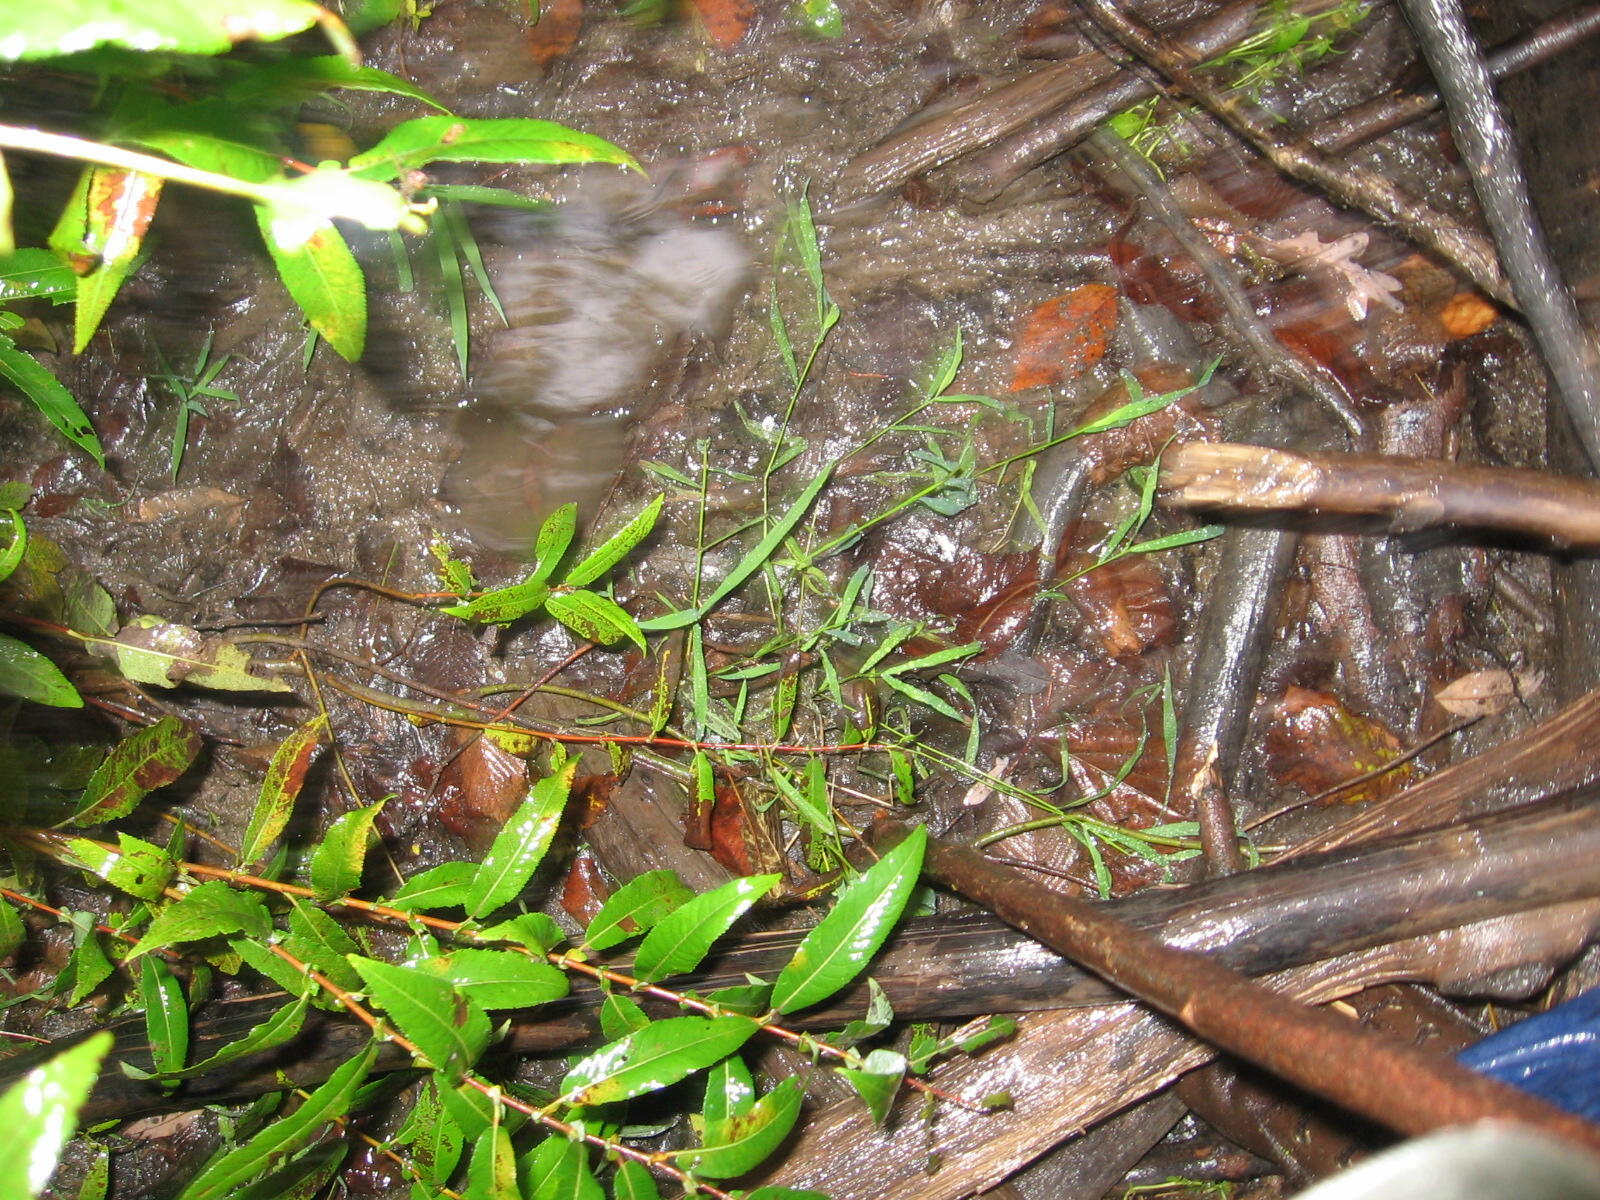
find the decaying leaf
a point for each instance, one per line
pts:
(557, 30)
(1486, 693)
(152, 651)
(1065, 336)
(725, 21)
(1314, 742)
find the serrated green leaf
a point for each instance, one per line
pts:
(322, 276)
(555, 536)
(208, 910)
(135, 867)
(23, 372)
(730, 1092)
(751, 999)
(492, 1169)
(621, 1015)
(635, 907)
(751, 562)
(29, 675)
(499, 978)
(634, 1182)
(12, 931)
(40, 1112)
(738, 1144)
(536, 932)
(414, 144)
(682, 938)
(337, 864)
(87, 966)
(166, 1015)
(616, 547)
(184, 26)
(450, 1030)
(559, 1170)
(842, 944)
(34, 273)
(520, 845)
(877, 1081)
(233, 1166)
(143, 761)
(594, 617)
(278, 1029)
(320, 942)
(444, 886)
(303, 1178)
(103, 228)
(298, 80)
(656, 1057)
(503, 605)
(285, 775)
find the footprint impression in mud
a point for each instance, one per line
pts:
(598, 294)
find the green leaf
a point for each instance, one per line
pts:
(414, 144)
(291, 980)
(34, 273)
(319, 941)
(87, 966)
(150, 650)
(621, 1015)
(520, 845)
(740, 1143)
(555, 536)
(337, 864)
(135, 867)
(12, 931)
(41, 1112)
(97, 1174)
(450, 1030)
(140, 763)
(730, 1092)
(841, 945)
(503, 605)
(656, 1057)
(17, 546)
(285, 775)
(536, 932)
(23, 372)
(322, 276)
(635, 907)
(29, 675)
(616, 547)
(209, 909)
(751, 562)
(634, 1182)
(499, 978)
(784, 1193)
(594, 617)
(231, 1167)
(103, 228)
(166, 1015)
(559, 1170)
(444, 886)
(822, 18)
(294, 82)
(877, 1081)
(472, 193)
(185, 26)
(681, 939)
(278, 1029)
(303, 1178)
(492, 1170)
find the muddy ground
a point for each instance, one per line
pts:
(1299, 654)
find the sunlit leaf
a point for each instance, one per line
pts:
(285, 775)
(135, 866)
(233, 1166)
(337, 864)
(635, 907)
(140, 763)
(621, 1015)
(737, 1144)
(23, 372)
(503, 605)
(324, 279)
(40, 1112)
(34, 273)
(555, 536)
(414, 144)
(594, 617)
(877, 1081)
(730, 1092)
(100, 233)
(500, 978)
(492, 1169)
(536, 932)
(29, 675)
(559, 1170)
(520, 845)
(444, 886)
(166, 1015)
(209, 909)
(320, 942)
(187, 26)
(616, 547)
(683, 937)
(450, 1030)
(840, 946)
(821, 18)
(656, 1057)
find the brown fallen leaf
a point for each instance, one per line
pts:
(556, 31)
(725, 21)
(1314, 742)
(1064, 337)
(1486, 693)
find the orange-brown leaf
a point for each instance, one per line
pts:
(557, 30)
(725, 21)
(1315, 742)
(1066, 336)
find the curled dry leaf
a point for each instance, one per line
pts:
(1065, 337)
(1486, 693)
